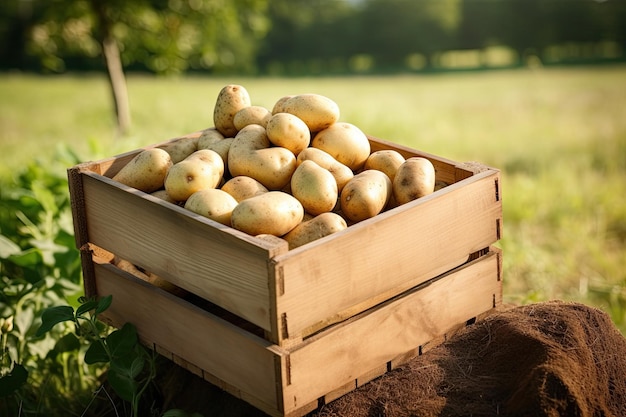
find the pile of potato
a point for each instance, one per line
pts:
(295, 172)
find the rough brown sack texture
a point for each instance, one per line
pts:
(544, 359)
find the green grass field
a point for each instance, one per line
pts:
(558, 135)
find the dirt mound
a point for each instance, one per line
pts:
(544, 359)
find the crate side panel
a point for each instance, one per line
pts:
(218, 347)
(338, 356)
(176, 245)
(387, 254)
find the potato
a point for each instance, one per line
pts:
(314, 187)
(279, 105)
(208, 137)
(163, 195)
(317, 111)
(365, 195)
(316, 228)
(222, 147)
(180, 148)
(273, 213)
(253, 115)
(345, 142)
(415, 178)
(250, 154)
(288, 131)
(202, 169)
(146, 171)
(242, 187)
(339, 171)
(230, 100)
(386, 160)
(212, 203)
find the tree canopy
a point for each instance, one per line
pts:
(261, 36)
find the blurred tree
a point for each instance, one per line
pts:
(393, 29)
(164, 36)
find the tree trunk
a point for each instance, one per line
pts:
(117, 81)
(113, 61)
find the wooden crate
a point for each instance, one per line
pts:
(285, 329)
(296, 380)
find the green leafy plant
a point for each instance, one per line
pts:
(131, 366)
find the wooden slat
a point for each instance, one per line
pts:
(380, 257)
(191, 334)
(213, 261)
(340, 355)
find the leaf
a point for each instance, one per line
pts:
(67, 343)
(128, 365)
(85, 307)
(96, 353)
(51, 316)
(12, 381)
(104, 303)
(125, 387)
(29, 257)
(8, 247)
(121, 342)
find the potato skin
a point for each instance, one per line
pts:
(415, 178)
(345, 142)
(288, 131)
(273, 213)
(314, 187)
(230, 100)
(180, 148)
(339, 171)
(202, 169)
(212, 203)
(386, 160)
(252, 115)
(317, 111)
(243, 187)
(146, 171)
(316, 228)
(365, 195)
(250, 154)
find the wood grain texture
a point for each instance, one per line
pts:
(388, 254)
(191, 335)
(213, 261)
(340, 355)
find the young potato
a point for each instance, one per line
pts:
(288, 131)
(345, 142)
(181, 148)
(163, 195)
(415, 178)
(317, 111)
(243, 187)
(202, 169)
(250, 154)
(230, 100)
(146, 171)
(387, 161)
(222, 147)
(280, 104)
(339, 171)
(253, 115)
(314, 187)
(208, 137)
(273, 213)
(212, 203)
(316, 228)
(365, 195)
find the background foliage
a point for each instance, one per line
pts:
(300, 36)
